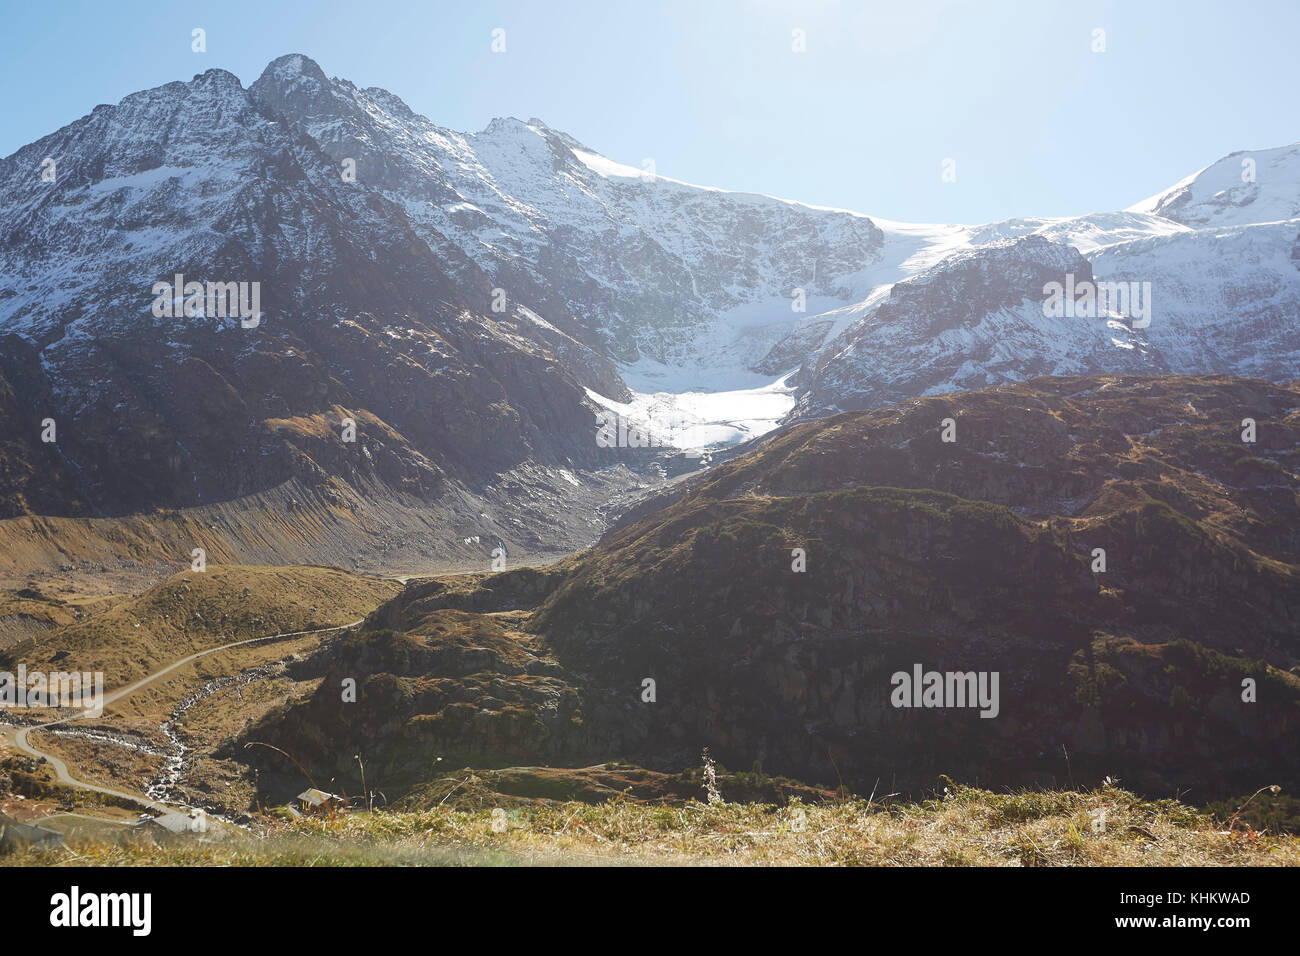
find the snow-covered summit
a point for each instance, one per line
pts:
(1248, 186)
(639, 265)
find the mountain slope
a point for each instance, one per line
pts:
(359, 320)
(973, 320)
(1220, 295)
(643, 267)
(976, 555)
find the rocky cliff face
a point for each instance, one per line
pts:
(1214, 257)
(978, 555)
(452, 298)
(1199, 301)
(359, 319)
(637, 265)
(974, 320)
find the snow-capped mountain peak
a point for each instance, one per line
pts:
(636, 264)
(1248, 186)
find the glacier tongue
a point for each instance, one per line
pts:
(702, 420)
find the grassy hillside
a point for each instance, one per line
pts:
(977, 555)
(193, 611)
(964, 827)
(370, 528)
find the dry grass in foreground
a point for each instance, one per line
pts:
(967, 827)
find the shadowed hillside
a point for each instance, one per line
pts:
(977, 555)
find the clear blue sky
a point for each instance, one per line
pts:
(710, 89)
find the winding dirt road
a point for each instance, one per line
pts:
(19, 736)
